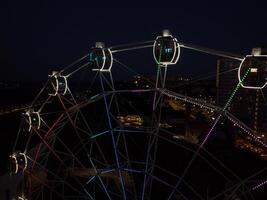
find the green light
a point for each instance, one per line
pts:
(160, 52)
(236, 89)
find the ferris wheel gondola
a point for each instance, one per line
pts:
(22, 198)
(18, 162)
(33, 120)
(57, 84)
(257, 76)
(101, 57)
(166, 49)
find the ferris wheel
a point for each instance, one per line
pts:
(114, 143)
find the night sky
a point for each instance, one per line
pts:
(37, 36)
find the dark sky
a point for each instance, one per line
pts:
(37, 35)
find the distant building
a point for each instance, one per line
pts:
(248, 105)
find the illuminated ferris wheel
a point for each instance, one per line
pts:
(114, 143)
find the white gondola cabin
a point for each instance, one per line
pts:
(256, 68)
(101, 57)
(18, 162)
(33, 120)
(22, 198)
(57, 84)
(166, 49)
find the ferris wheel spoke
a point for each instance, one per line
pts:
(112, 137)
(98, 146)
(72, 123)
(212, 51)
(102, 184)
(43, 183)
(169, 185)
(47, 155)
(80, 185)
(44, 104)
(158, 121)
(61, 161)
(149, 148)
(56, 176)
(46, 136)
(224, 108)
(160, 180)
(206, 77)
(207, 136)
(82, 115)
(205, 159)
(28, 142)
(131, 71)
(70, 152)
(153, 140)
(18, 135)
(237, 185)
(47, 145)
(131, 46)
(188, 150)
(86, 123)
(78, 69)
(74, 63)
(39, 94)
(108, 82)
(69, 101)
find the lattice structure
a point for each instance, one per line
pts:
(114, 143)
